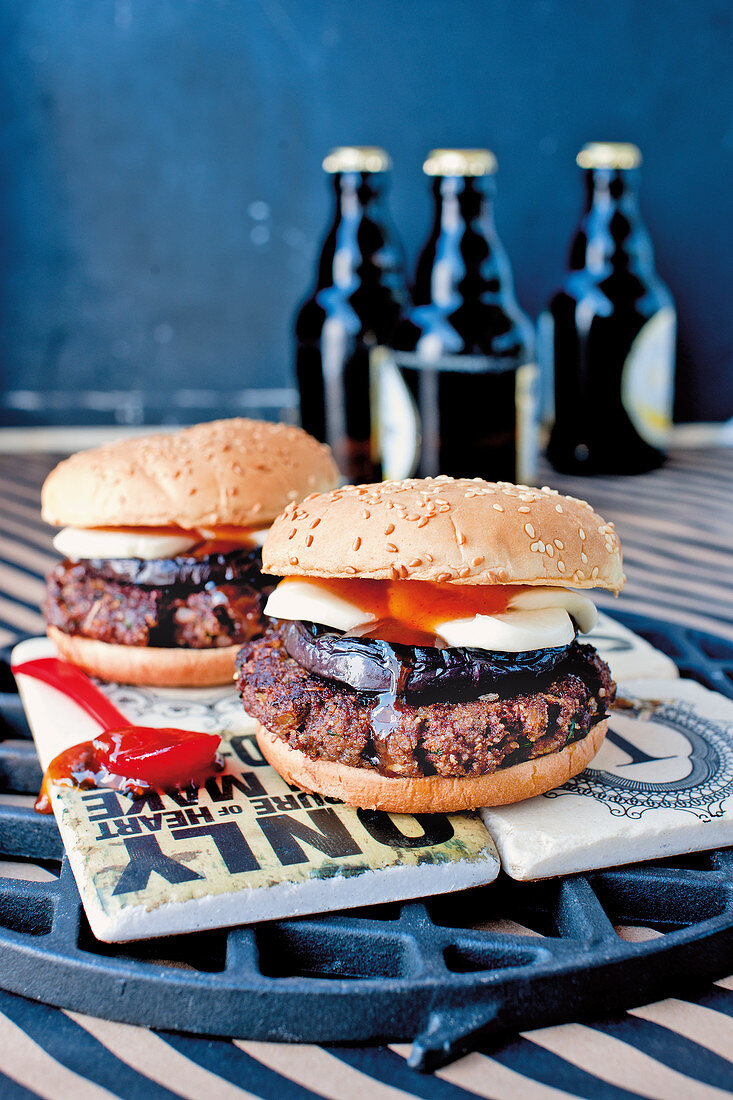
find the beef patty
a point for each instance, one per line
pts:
(80, 600)
(330, 721)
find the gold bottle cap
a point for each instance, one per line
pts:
(609, 154)
(357, 158)
(460, 162)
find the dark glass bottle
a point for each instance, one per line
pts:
(608, 336)
(358, 297)
(465, 349)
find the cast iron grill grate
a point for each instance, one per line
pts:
(445, 972)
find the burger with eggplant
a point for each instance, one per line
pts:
(161, 538)
(422, 650)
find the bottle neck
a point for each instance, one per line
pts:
(464, 262)
(360, 245)
(463, 292)
(358, 193)
(464, 205)
(611, 235)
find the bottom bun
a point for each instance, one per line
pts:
(430, 794)
(130, 664)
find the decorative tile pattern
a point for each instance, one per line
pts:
(661, 785)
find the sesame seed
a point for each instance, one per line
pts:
(389, 529)
(560, 545)
(497, 507)
(392, 548)
(524, 509)
(581, 532)
(315, 523)
(561, 566)
(293, 560)
(558, 507)
(356, 543)
(594, 573)
(584, 559)
(415, 562)
(460, 537)
(423, 521)
(349, 569)
(367, 513)
(550, 550)
(530, 530)
(309, 540)
(541, 547)
(501, 574)
(293, 533)
(478, 561)
(464, 571)
(443, 577)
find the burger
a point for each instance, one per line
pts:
(161, 580)
(422, 652)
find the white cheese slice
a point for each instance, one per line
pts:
(511, 631)
(579, 606)
(310, 602)
(80, 543)
(536, 619)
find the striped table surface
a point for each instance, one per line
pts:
(676, 528)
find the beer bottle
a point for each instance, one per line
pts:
(351, 313)
(608, 335)
(464, 349)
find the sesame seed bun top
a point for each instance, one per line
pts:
(228, 472)
(461, 531)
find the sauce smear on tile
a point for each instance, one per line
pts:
(134, 759)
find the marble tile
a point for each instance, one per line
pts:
(661, 785)
(247, 846)
(627, 655)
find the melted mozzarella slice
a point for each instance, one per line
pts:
(577, 605)
(536, 618)
(309, 602)
(511, 631)
(97, 542)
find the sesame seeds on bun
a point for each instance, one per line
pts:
(228, 472)
(446, 530)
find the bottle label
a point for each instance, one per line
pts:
(395, 419)
(647, 379)
(546, 364)
(526, 401)
(334, 353)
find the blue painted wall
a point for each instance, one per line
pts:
(162, 197)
